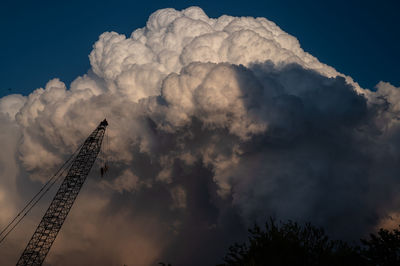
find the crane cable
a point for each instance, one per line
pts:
(104, 151)
(107, 148)
(39, 195)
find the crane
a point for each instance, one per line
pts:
(48, 228)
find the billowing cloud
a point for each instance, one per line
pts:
(213, 124)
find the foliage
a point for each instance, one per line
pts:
(383, 249)
(291, 244)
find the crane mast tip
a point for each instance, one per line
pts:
(104, 123)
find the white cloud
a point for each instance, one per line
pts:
(218, 118)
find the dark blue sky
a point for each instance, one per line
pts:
(41, 40)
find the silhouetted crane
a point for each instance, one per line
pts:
(48, 228)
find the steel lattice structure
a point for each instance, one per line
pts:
(48, 228)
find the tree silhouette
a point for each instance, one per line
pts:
(291, 244)
(383, 249)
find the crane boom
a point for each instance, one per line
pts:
(48, 228)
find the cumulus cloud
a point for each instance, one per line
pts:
(214, 123)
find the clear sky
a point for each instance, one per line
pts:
(41, 40)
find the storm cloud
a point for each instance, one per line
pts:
(213, 124)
